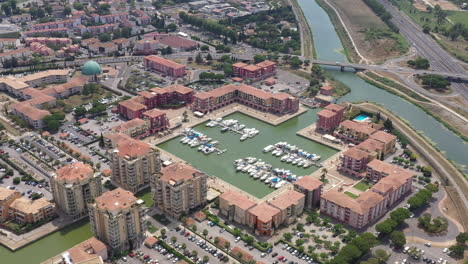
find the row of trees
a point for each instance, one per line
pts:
(435, 81)
(210, 26)
(381, 12)
(420, 199)
(355, 249)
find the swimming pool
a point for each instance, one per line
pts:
(361, 118)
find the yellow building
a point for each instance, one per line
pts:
(74, 186)
(24, 210)
(7, 197)
(117, 219)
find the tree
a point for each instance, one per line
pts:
(323, 176)
(198, 59)
(398, 239)
(249, 239)
(16, 180)
(6, 9)
(386, 227)
(434, 81)
(287, 236)
(388, 124)
(381, 255)
(432, 187)
(80, 111)
(194, 253)
(194, 228)
(78, 6)
(209, 57)
(399, 215)
(205, 232)
(126, 32)
(295, 62)
(457, 250)
(259, 58)
(204, 48)
(227, 244)
(173, 239)
(163, 232)
(104, 37)
(462, 238)
(67, 10)
(183, 246)
(206, 259)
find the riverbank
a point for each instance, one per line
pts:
(307, 40)
(452, 179)
(415, 98)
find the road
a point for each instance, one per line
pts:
(439, 59)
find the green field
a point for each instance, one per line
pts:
(362, 186)
(352, 195)
(458, 17)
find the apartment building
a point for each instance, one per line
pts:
(174, 94)
(32, 115)
(133, 163)
(290, 204)
(26, 211)
(354, 162)
(7, 197)
(134, 128)
(264, 219)
(6, 43)
(116, 219)
(164, 66)
(178, 189)
(388, 141)
(158, 121)
(46, 32)
(355, 132)
(329, 118)
(96, 30)
(393, 184)
(73, 187)
(278, 103)
(132, 108)
(69, 23)
(255, 72)
(312, 188)
(234, 206)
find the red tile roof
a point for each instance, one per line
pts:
(173, 88)
(326, 113)
(132, 105)
(165, 62)
(237, 199)
(133, 148)
(383, 136)
(265, 64)
(287, 199)
(75, 172)
(154, 113)
(334, 107)
(116, 199)
(178, 172)
(309, 183)
(264, 212)
(356, 153)
(177, 42)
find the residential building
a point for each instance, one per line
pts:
(264, 219)
(354, 162)
(278, 103)
(394, 187)
(73, 187)
(17, 53)
(27, 211)
(7, 43)
(312, 188)
(355, 132)
(164, 66)
(135, 128)
(18, 19)
(132, 108)
(291, 205)
(116, 219)
(329, 118)
(46, 32)
(158, 121)
(178, 189)
(147, 46)
(172, 95)
(255, 72)
(41, 49)
(45, 41)
(103, 47)
(177, 43)
(96, 30)
(326, 90)
(377, 169)
(92, 251)
(133, 163)
(7, 197)
(69, 23)
(388, 140)
(358, 212)
(32, 115)
(234, 206)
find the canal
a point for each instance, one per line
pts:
(328, 47)
(222, 167)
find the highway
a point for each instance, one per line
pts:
(439, 59)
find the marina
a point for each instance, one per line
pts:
(221, 166)
(292, 154)
(264, 172)
(196, 139)
(233, 125)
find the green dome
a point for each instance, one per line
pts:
(91, 68)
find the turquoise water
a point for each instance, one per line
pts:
(360, 118)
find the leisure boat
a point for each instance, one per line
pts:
(265, 176)
(224, 129)
(219, 119)
(300, 163)
(201, 148)
(307, 164)
(269, 179)
(315, 158)
(279, 153)
(241, 126)
(246, 168)
(214, 143)
(295, 161)
(244, 137)
(268, 148)
(285, 157)
(279, 184)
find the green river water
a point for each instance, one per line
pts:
(328, 47)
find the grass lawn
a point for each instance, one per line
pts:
(458, 17)
(352, 195)
(362, 186)
(145, 195)
(78, 99)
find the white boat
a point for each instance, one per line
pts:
(218, 119)
(269, 179)
(246, 168)
(279, 153)
(265, 176)
(201, 148)
(268, 148)
(285, 157)
(307, 164)
(244, 137)
(295, 161)
(300, 163)
(315, 158)
(279, 184)
(241, 126)
(240, 167)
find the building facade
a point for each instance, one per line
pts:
(234, 206)
(26, 211)
(133, 163)
(7, 197)
(164, 66)
(116, 219)
(312, 188)
(255, 72)
(178, 189)
(329, 118)
(73, 187)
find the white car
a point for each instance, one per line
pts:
(427, 244)
(445, 250)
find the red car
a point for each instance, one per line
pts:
(146, 257)
(280, 257)
(187, 234)
(131, 254)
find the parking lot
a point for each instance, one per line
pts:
(420, 254)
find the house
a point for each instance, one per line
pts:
(164, 66)
(329, 118)
(291, 205)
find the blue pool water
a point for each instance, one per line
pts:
(360, 118)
